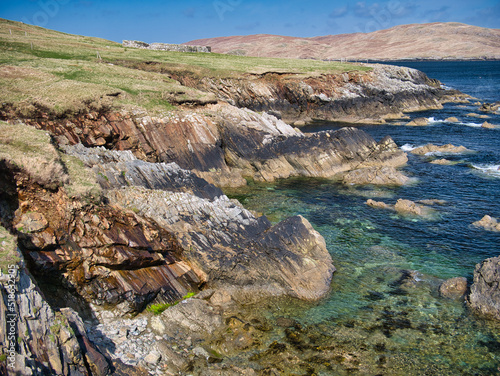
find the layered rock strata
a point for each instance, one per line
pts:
(226, 144)
(39, 340)
(383, 93)
(224, 243)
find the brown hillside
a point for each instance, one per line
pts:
(450, 40)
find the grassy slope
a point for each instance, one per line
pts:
(66, 73)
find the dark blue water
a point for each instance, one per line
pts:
(374, 248)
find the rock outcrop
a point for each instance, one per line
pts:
(383, 93)
(376, 176)
(225, 144)
(484, 297)
(436, 149)
(40, 340)
(223, 242)
(488, 223)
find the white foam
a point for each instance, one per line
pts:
(407, 147)
(473, 125)
(434, 120)
(488, 169)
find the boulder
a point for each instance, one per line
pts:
(192, 317)
(418, 122)
(454, 288)
(488, 223)
(444, 149)
(484, 297)
(451, 119)
(376, 176)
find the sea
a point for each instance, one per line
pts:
(384, 309)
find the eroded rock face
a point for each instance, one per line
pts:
(103, 254)
(47, 342)
(374, 96)
(227, 245)
(484, 297)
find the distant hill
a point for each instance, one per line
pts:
(449, 40)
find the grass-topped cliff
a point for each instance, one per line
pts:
(63, 73)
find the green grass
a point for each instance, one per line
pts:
(32, 151)
(159, 308)
(63, 73)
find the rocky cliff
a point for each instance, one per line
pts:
(355, 96)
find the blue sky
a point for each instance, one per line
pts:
(182, 21)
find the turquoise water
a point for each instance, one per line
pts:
(384, 307)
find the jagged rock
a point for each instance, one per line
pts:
(230, 144)
(227, 246)
(375, 175)
(484, 297)
(488, 223)
(489, 107)
(418, 122)
(444, 149)
(451, 119)
(49, 342)
(352, 97)
(454, 288)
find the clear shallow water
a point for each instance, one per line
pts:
(396, 324)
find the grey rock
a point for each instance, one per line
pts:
(484, 297)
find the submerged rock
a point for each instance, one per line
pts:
(442, 162)
(403, 206)
(484, 297)
(454, 288)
